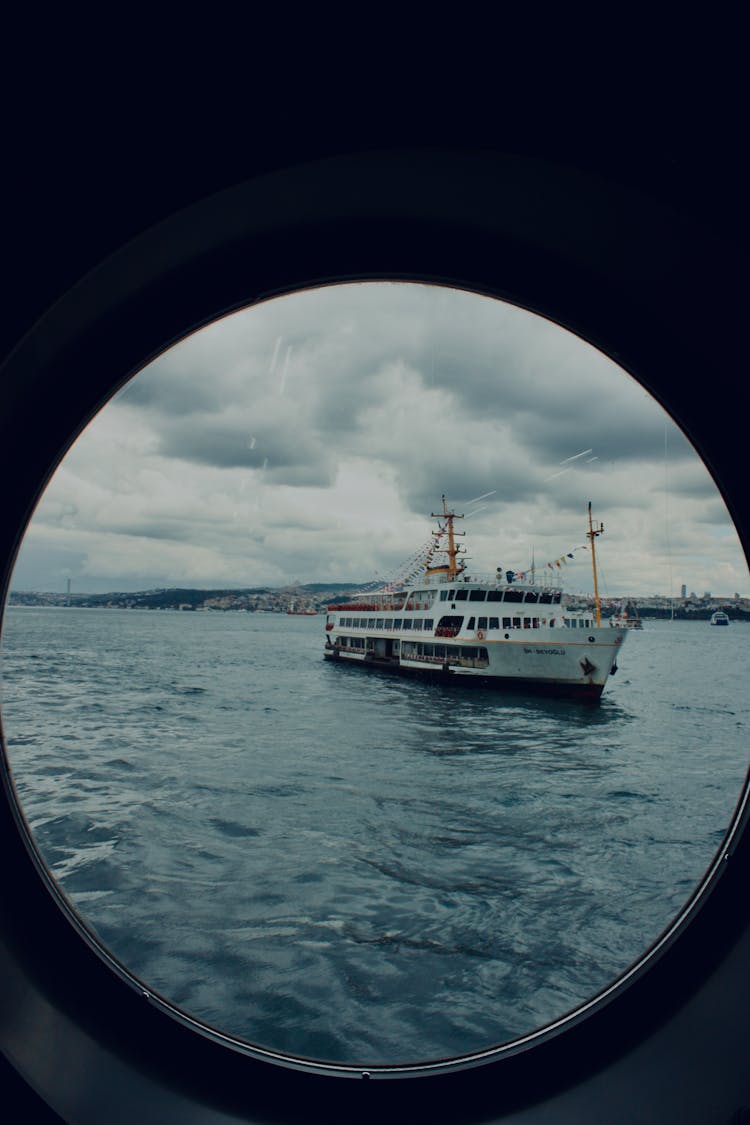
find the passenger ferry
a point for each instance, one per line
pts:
(719, 618)
(626, 618)
(493, 632)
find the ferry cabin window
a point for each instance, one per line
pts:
(476, 595)
(516, 622)
(461, 595)
(370, 622)
(514, 595)
(531, 596)
(407, 623)
(380, 623)
(471, 623)
(494, 595)
(482, 623)
(494, 623)
(443, 595)
(397, 623)
(388, 623)
(429, 623)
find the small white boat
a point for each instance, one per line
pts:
(719, 618)
(296, 610)
(626, 618)
(491, 632)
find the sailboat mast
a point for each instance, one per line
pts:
(452, 551)
(592, 534)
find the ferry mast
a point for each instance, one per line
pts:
(591, 534)
(452, 550)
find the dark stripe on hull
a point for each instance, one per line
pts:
(591, 692)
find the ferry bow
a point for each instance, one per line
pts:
(503, 631)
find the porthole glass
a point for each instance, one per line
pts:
(323, 858)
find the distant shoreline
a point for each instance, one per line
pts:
(316, 597)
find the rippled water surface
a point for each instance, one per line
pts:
(355, 867)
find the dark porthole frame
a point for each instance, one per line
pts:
(626, 275)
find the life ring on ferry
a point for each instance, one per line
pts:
(480, 634)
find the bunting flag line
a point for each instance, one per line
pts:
(412, 568)
(405, 573)
(563, 559)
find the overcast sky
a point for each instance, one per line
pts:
(309, 438)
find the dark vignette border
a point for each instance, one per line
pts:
(619, 270)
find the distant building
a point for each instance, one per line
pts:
(707, 595)
(683, 591)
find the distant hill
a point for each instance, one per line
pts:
(251, 598)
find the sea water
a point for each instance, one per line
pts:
(354, 867)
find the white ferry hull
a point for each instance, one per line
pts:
(554, 661)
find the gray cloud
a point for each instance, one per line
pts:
(312, 436)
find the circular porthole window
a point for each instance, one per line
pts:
(250, 811)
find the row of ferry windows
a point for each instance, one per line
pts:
(427, 624)
(547, 597)
(418, 623)
(458, 653)
(454, 654)
(421, 599)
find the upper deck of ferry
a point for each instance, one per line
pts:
(454, 592)
(444, 583)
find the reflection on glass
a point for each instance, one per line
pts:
(364, 868)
